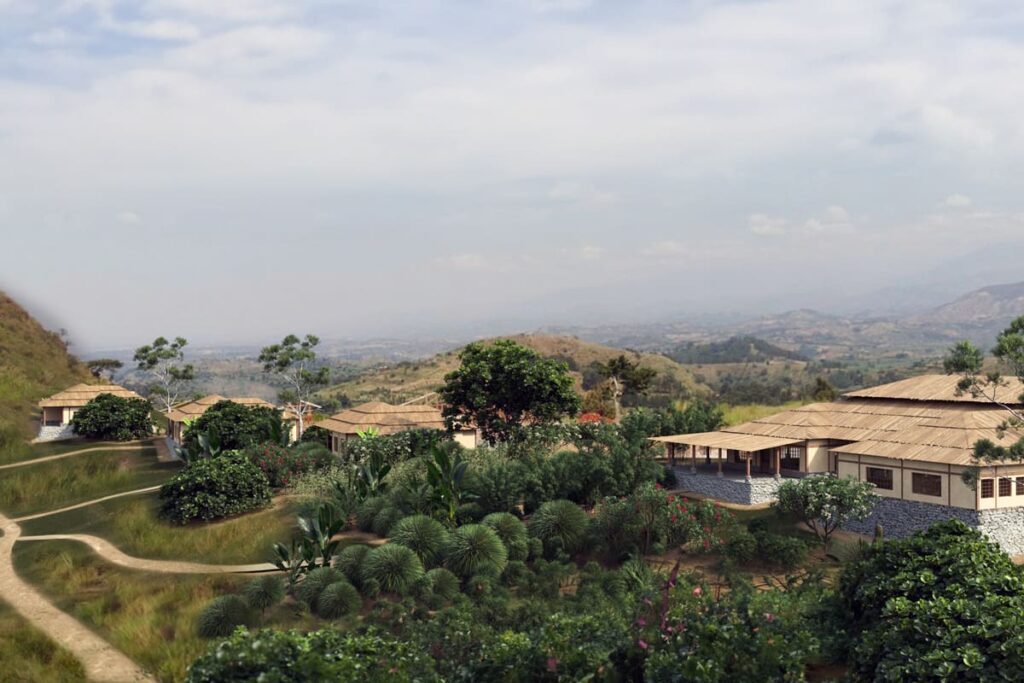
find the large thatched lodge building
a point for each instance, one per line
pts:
(912, 439)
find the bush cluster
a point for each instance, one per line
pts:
(282, 464)
(213, 488)
(113, 418)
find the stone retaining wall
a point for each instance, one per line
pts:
(757, 490)
(52, 433)
(901, 518)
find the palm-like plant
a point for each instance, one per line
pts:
(370, 476)
(319, 530)
(446, 477)
(394, 567)
(294, 561)
(475, 549)
(511, 531)
(423, 535)
(560, 524)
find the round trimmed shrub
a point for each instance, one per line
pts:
(370, 587)
(337, 600)
(222, 616)
(350, 561)
(479, 585)
(475, 549)
(395, 568)
(211, 488)
(368, 510)
(315, 583)
(561, 525)
(385, 519)
(443, 583)
(511, 531)
(113, 418)
(263, 592)
(536, 548)
(423, 535)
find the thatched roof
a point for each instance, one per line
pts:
(739, 442)
(384, 418)
(80, 394)
(937, 388)
(190, 410)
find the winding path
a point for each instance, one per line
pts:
(101, 660)
(37, 515)
(130, 446)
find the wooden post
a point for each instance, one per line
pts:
(719, 462)
(750, 456)
(995, 488)
(778, 462)
(693, 459)
(671, 454)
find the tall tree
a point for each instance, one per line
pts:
(165, 361)
(626, 375)
(500, 386)
(294, 361)
(104, 368)
(968, 361)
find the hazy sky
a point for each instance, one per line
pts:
(233, 170)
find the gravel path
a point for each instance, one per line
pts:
(148, 489)
(131, 446)
(111, 553)
(102, 661)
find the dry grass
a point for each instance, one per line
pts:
(739, 414)
(133, 525)
(28, 656)
(52, 485)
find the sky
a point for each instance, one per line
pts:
(235, 170)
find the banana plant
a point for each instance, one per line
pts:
(446, 477)
(294, 561)
(370, 476)
(319, 530)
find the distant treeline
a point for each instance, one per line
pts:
(743, 349)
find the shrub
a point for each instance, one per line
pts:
(263, 592)
(237, 426)
(561, 525)
(475, 549)
(282, 465)
(637, 575)
(511, 531)
(212, 488)
(394, 567)
(825, 503)
(785, 552)
(113, 418)
(385, 519)
(370, 587)
(368, 510)
(221, 616)
(337, 600)
(617, 525)
(350, 561)
(740, 547)
(443, 583)
(328, 655)
(315, 583)
(424, 535)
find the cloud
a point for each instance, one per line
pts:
(957, 201)
(467, 262)
(128, 218)
(592, 253)
(834, 220)
(668, 250)
(159, 30)
(765, 226)
(580, 193)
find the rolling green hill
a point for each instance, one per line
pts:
(411, 379)
(739, 349)
(34, 363)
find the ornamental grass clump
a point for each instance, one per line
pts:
(511, 531)
(475, 549)
(385, 520)
(222, 616)
(264, 592)
(393, 567)
(350, 561)
(424, 535)
(443, 583)
(368, 511)
(337, 600)
(315, 583)
(561, 525)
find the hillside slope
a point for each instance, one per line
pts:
(33, 363)
(411, 379)
(998, 303)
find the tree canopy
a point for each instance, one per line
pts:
(164, 360)
(294, 361)
(502, 385)
(113, 418)
(104, 367)
(236, 426)
(625, 375)
(825, 503)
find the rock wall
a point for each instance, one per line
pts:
(55, 433)
(901, 518)
(728, 489)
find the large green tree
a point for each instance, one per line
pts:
(165, 361)
(104, 368)
(294, 361)
(625, 375)
(503, 385)
(993, 385)
(113, 418)
(232, 426)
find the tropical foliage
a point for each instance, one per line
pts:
(208, 489)
(824, 502)
(233, 426)
(112, 418)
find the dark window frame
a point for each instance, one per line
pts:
(926, 484)
(988, 488)
(792, 457)
(885, 482)
(1005, 487)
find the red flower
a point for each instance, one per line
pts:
(673, 519)
(552, 664)
(697, 591)
(641, 644)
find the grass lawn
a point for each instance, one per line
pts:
(132, 524)
(150, 617)
(29, 656)
(27, 451)
(59, 483)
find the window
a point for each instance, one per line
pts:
(791, 456)
(880, 477)
(1020, 486)
(1004, 486)
(987, 488)
(926, 484)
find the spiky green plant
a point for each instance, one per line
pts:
(475, 549)
(561, 525)
(443, 583)
(221, 616)
(385, 520)
(263, 592)
(395, 567)
(368, 510)
(337, 600)
(350, 560)
(315, 582)
(423, 535)
(511, 531)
